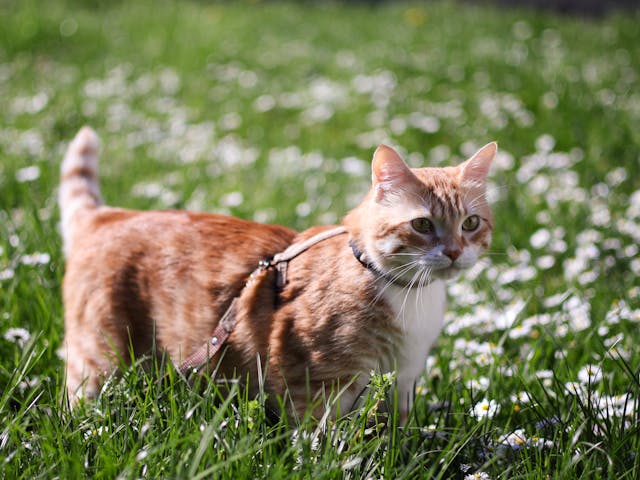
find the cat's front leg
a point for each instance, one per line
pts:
(405, 398)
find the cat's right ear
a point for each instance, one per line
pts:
(389, 174)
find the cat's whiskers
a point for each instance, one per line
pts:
(420, 285)
(399, 270)
(419, 264)
(407, 290)
(425, 279)
(404, 268)
(401, 267)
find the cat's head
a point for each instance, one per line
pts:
(421, 224)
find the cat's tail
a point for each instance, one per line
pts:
(79, 188)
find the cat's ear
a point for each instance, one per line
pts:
(389, 174)
(477, 167)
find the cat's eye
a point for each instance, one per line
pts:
(422, 225)
(471, 223)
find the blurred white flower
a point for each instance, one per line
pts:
(28, 174)
(232, 199)
(485, 409)
(29, 104)
(36, 258)
(545, 143)
(521, 397)
(354, 166)
(633, 211)
(540, 238)
(264, 103)
(574, 388)
(7, 274)
(590, 374)
(19, 336)
(520, 331)
(578, 313)
(515, 440)
(95, 432)
(545, 262)
(477, 476)
(480, 383)
(142, 454)
(507, 317)
(28, 383)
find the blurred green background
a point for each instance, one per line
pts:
(271, 111)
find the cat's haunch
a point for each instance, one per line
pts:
(372, 299)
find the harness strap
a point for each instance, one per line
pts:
(227, 323)
(281, 260)
(209, 349)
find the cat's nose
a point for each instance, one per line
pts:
(453, 253)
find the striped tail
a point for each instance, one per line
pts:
(79, 188)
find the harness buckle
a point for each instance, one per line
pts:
(264, 264)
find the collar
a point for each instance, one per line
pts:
(361, 256)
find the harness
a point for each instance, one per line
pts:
(227, 323)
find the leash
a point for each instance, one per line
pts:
(279, 262)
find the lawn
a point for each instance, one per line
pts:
(271, 111)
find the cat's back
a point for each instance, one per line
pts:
(159, 231)
(170, 246)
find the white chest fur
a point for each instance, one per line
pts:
(420, 314)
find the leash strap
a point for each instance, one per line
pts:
(220, 335)
(227, 323)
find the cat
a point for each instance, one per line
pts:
(372, 299)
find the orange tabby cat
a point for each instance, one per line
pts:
(371, 299)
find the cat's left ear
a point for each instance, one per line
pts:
(477, 167)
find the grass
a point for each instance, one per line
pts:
(271, 111)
